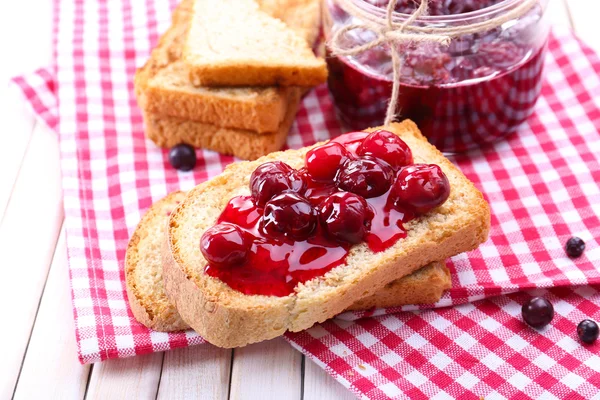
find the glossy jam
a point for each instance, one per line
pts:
(478, 89)
(276, 265)
(454, 117)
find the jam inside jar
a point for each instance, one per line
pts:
(476, 90)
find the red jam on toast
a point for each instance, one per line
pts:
(299, 224)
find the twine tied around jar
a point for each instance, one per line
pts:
(391, 33)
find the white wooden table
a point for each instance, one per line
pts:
(38, 357)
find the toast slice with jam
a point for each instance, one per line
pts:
(245, 260)
(150, 306)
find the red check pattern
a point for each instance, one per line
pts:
(541, 184)
(471, 351)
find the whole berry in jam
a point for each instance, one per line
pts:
(575, 247)
(421, 188)
(351, 139)
(537, 312)
(366, 177)
(587, 330)
(224, 245)
(273, 178)
(346, 217)
(438, 7)
(388, 147)
(501, 55)
(182, 157)
(290, 215)
(324, 162)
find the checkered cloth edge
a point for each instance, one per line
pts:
(39, 88)
(541, 185)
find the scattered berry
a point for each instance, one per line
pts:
(575, 247)
(587, 330)
(182, 157)
(537, 312)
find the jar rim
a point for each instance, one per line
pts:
(498, 7)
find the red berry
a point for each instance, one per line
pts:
(537, 312)
(421, 187)
(273, 178)
(182, 157)
(388, 147)
(324, 162)
(588, 331)
(352, 140)
(351, 137)
(224, 245)
(366, 177)
(575, 247)
(503, 54)
(346, 217)
(290, 215)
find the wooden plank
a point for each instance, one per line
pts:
(27, 29)
(126, 378)
(52, 343)
(28, 235)
(18, 123)
(267, 370)
(319, 385)
(584, 16)
(16, 21)
(558, 14)
(197, 372)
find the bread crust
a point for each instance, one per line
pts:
(260, 110)
(149, 305)
(169, 131)
(228, 318)
(424, 286)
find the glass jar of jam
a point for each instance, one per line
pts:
(474, 91)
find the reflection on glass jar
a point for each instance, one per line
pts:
(478, 89)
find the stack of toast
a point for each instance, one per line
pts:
(228, 75)
(169, 290)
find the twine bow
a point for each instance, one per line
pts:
(391, 33)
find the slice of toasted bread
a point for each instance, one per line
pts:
(163, 88)
(228, 318)
(143, 269)
(235, 43)
(424, 286)
(169, 131)
(150, 306)
(302, 16)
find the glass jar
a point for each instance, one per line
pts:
(478, 89)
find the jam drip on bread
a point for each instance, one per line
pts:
(299, 224)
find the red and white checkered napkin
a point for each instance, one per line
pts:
(541, 184)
